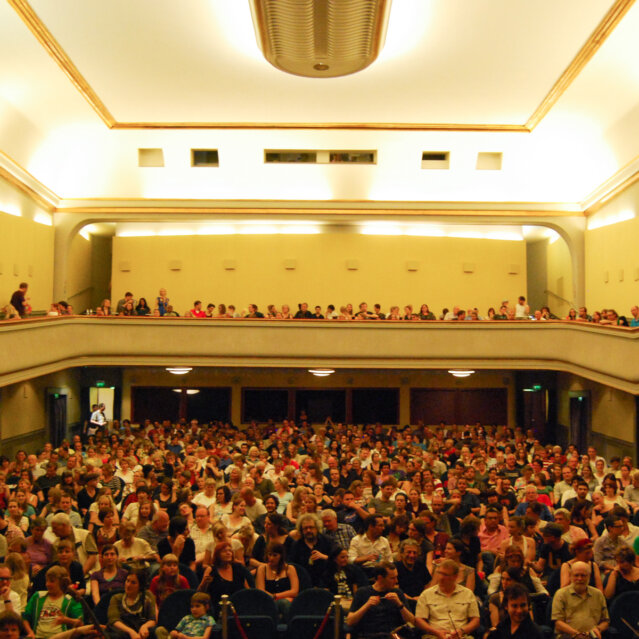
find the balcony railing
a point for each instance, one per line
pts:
(609, 355)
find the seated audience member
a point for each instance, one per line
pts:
(582, 551)
(519, 540)
(379, 608)
(517, 622)
(110, 576)
(66, 558)
(178, 542)
(312, 549)
(154, 532)
(371, 547)
(133, 612)
(530, 496)
(514, 558)
(606, 547)
(224, 576)
(39, 549)
(412, 575)
(132, 549)
(340, 534)
(9, 599)
(278, 578)
(168, 579)
(199, 623)
(570, 534)
(625, 575)
(553, 552)
(447, 609)
(11, 625)
(51, 611)
(340, 577)
(579, 608)
(20, 581)
(492, 533)
(85, 547)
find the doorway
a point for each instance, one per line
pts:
(579, 420)
(57, 412)
(102, 395)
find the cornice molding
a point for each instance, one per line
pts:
(20, 178)
(616, 184)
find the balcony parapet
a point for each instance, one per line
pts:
(33, 347)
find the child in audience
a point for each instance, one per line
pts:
(198, 624)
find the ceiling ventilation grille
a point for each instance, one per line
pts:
(308, 156)
(435, 160)
(204, 157)
(320, 38)
(150, 157)
(489, 161)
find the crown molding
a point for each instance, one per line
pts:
(624, 178)
(20, 178)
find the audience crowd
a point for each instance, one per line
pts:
(128, 306)
(397, 521)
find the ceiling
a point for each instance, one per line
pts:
(552, 86)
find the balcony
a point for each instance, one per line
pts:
(607, 355)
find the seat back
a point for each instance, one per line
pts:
(303, 577)
(189, 575)
(174, 607)
(625, 607)
(314, 601)
(255, 603)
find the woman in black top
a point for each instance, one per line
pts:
(179, 543)
(224, 576)
(278, 578)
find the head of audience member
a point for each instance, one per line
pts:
(552, 535)
(580, 576)
(329, 520)
(385, 576)
(447, 571)
(310, 528)
(11, 625)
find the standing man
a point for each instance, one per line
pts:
(19, 300)
(98, 420)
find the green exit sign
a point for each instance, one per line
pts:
(537, 386)
(100, 384)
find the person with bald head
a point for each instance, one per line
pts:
(579, 608)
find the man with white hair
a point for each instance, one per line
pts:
(86, 549)
(530, 496)
(579, 608)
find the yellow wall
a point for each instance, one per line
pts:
(614, 412)
(559, 278)
(321, 276)
(26, 249)
(79, 274)
(23, 405)
(611, 253)
(237, 379)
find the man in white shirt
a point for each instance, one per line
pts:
(9, 600)
(370, 548)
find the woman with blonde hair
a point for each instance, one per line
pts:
(168, 579)
(295, 507)
(237, 518)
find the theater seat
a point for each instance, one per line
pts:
(257, 613)
(102, 608)
(307, 612)
(174, 607)
(625, 607)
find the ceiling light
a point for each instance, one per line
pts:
(321, 372)
(461, 373)
(179, 370)
(320, 38)
(188, 391)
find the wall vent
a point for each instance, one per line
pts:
(311, 156)
(436, 160)
(150, 157)
(204, 157)
(289, 157)
(489, 161)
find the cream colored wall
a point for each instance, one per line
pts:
(237, 379)
(614, 412)
(26, 249)
(79, 274)
(559, 278)
(612, 255)
(321, 276)
(23, 405)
